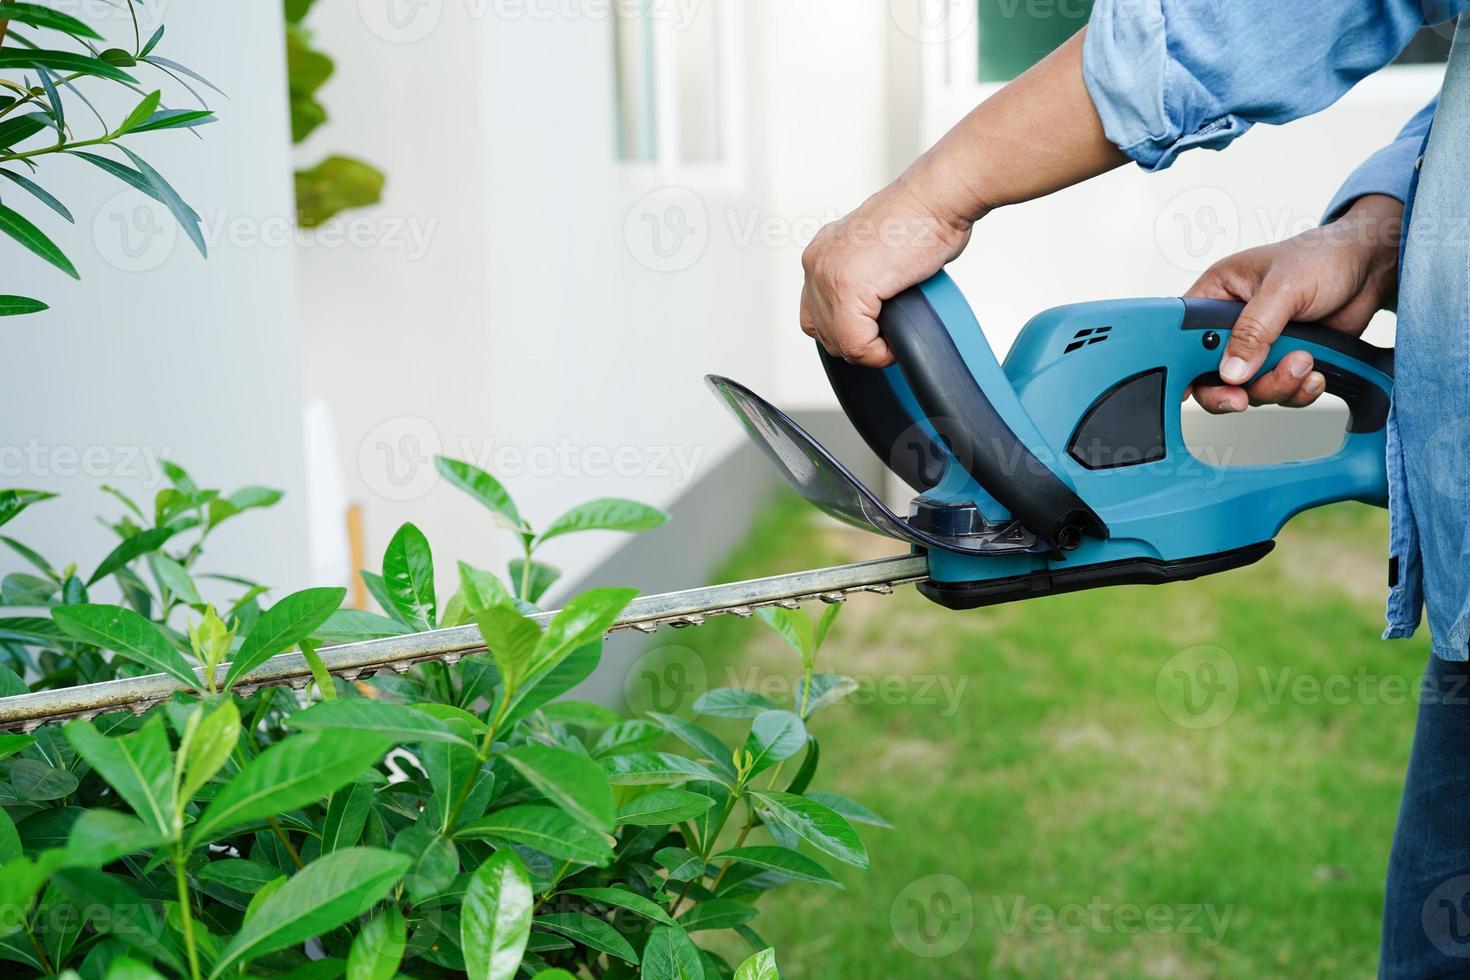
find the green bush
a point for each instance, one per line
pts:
(462, 820)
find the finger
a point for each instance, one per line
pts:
(1311, 389)
(1260, 323)
(855, 339)
(1281, 383)
(807, 320)
(1221, 399)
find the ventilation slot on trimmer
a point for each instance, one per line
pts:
(1088, 335)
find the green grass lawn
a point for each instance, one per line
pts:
(1052, 818)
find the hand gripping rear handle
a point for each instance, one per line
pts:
(981, 439)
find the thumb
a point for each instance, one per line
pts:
(1260, 323)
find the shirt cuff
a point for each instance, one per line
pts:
(1390, 171)
(1152, 108)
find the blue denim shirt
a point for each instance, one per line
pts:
(1171, 75)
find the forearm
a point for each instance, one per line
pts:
(1037, 135)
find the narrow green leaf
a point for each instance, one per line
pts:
(793, 626)
(789, 863)
(854, 811)
(717, 913)
(175, 119)
(18, 227)
(20, 305)
(352, 625)
(571, 781)
(608, 514)
(39, 16)
(132, 547)
(127, 633)
(175, 578)
(590, 931)
(138, 766)
(662, 808)
(732, 702)
(332, 890)
(142, 111)
(185, 215)
(408, 573)
(511, 639)
(60, 61)
(671, 955)
(210, 736)
(774, 736)
(346, 817)
(484, 488)
(240, 874)
(290, 774)
(100, 837)
(650, 768)
(621, 898)
(12, 502)
(582, 621)
(701, 740)
(545, 828)
(281, 627)
(495, 917)
(823, 828)
(39, 193)
(378, 949)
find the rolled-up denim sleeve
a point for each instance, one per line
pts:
(1389, 171)
(1171, 75)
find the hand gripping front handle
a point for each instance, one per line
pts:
(968, 397)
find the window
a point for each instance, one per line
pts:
(1016, 34)
(674, 92)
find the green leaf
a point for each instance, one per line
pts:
(803, 777)
(130, 548)
(39, 193)
(408, 573)
(175, 119)
(185, 215)
(794, 626)
(11, 743)
(608, 514)
(511, 639)
(100, 837)
(823, 828)
(38, 16)
(671, 955)
(571, 781)
(484, 488)
(18, 227)
(353, 625)
(127, 968)
(682, 863)
(481, 590)
(826, 689)
(11, 305)
(774, 736)
(650, 768)
(12, 502)
(36, 782)
(854, 811)
(334, 185)
(716, 913)
(545, 828)
(789, 863)
(29, 629)
(590, 931)
(292, 773)
(138, 766)
(378, 949)
(397, 722)
(663, 807)
(141, 112)
(732, 702)
(281, 627)
(16, 129)
(175, 578)
(129, 634)
(824, 624)
(241, 875)
(210, 735)
(435, 862)
(701, 740)
(582, 621)
(621, 898)
(329, 892)
(761, 966)
(60, 61)
(580, 714)
(495, 917)
(346, 817)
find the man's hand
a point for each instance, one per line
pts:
(1338, 275)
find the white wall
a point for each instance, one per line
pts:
(158, 352)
